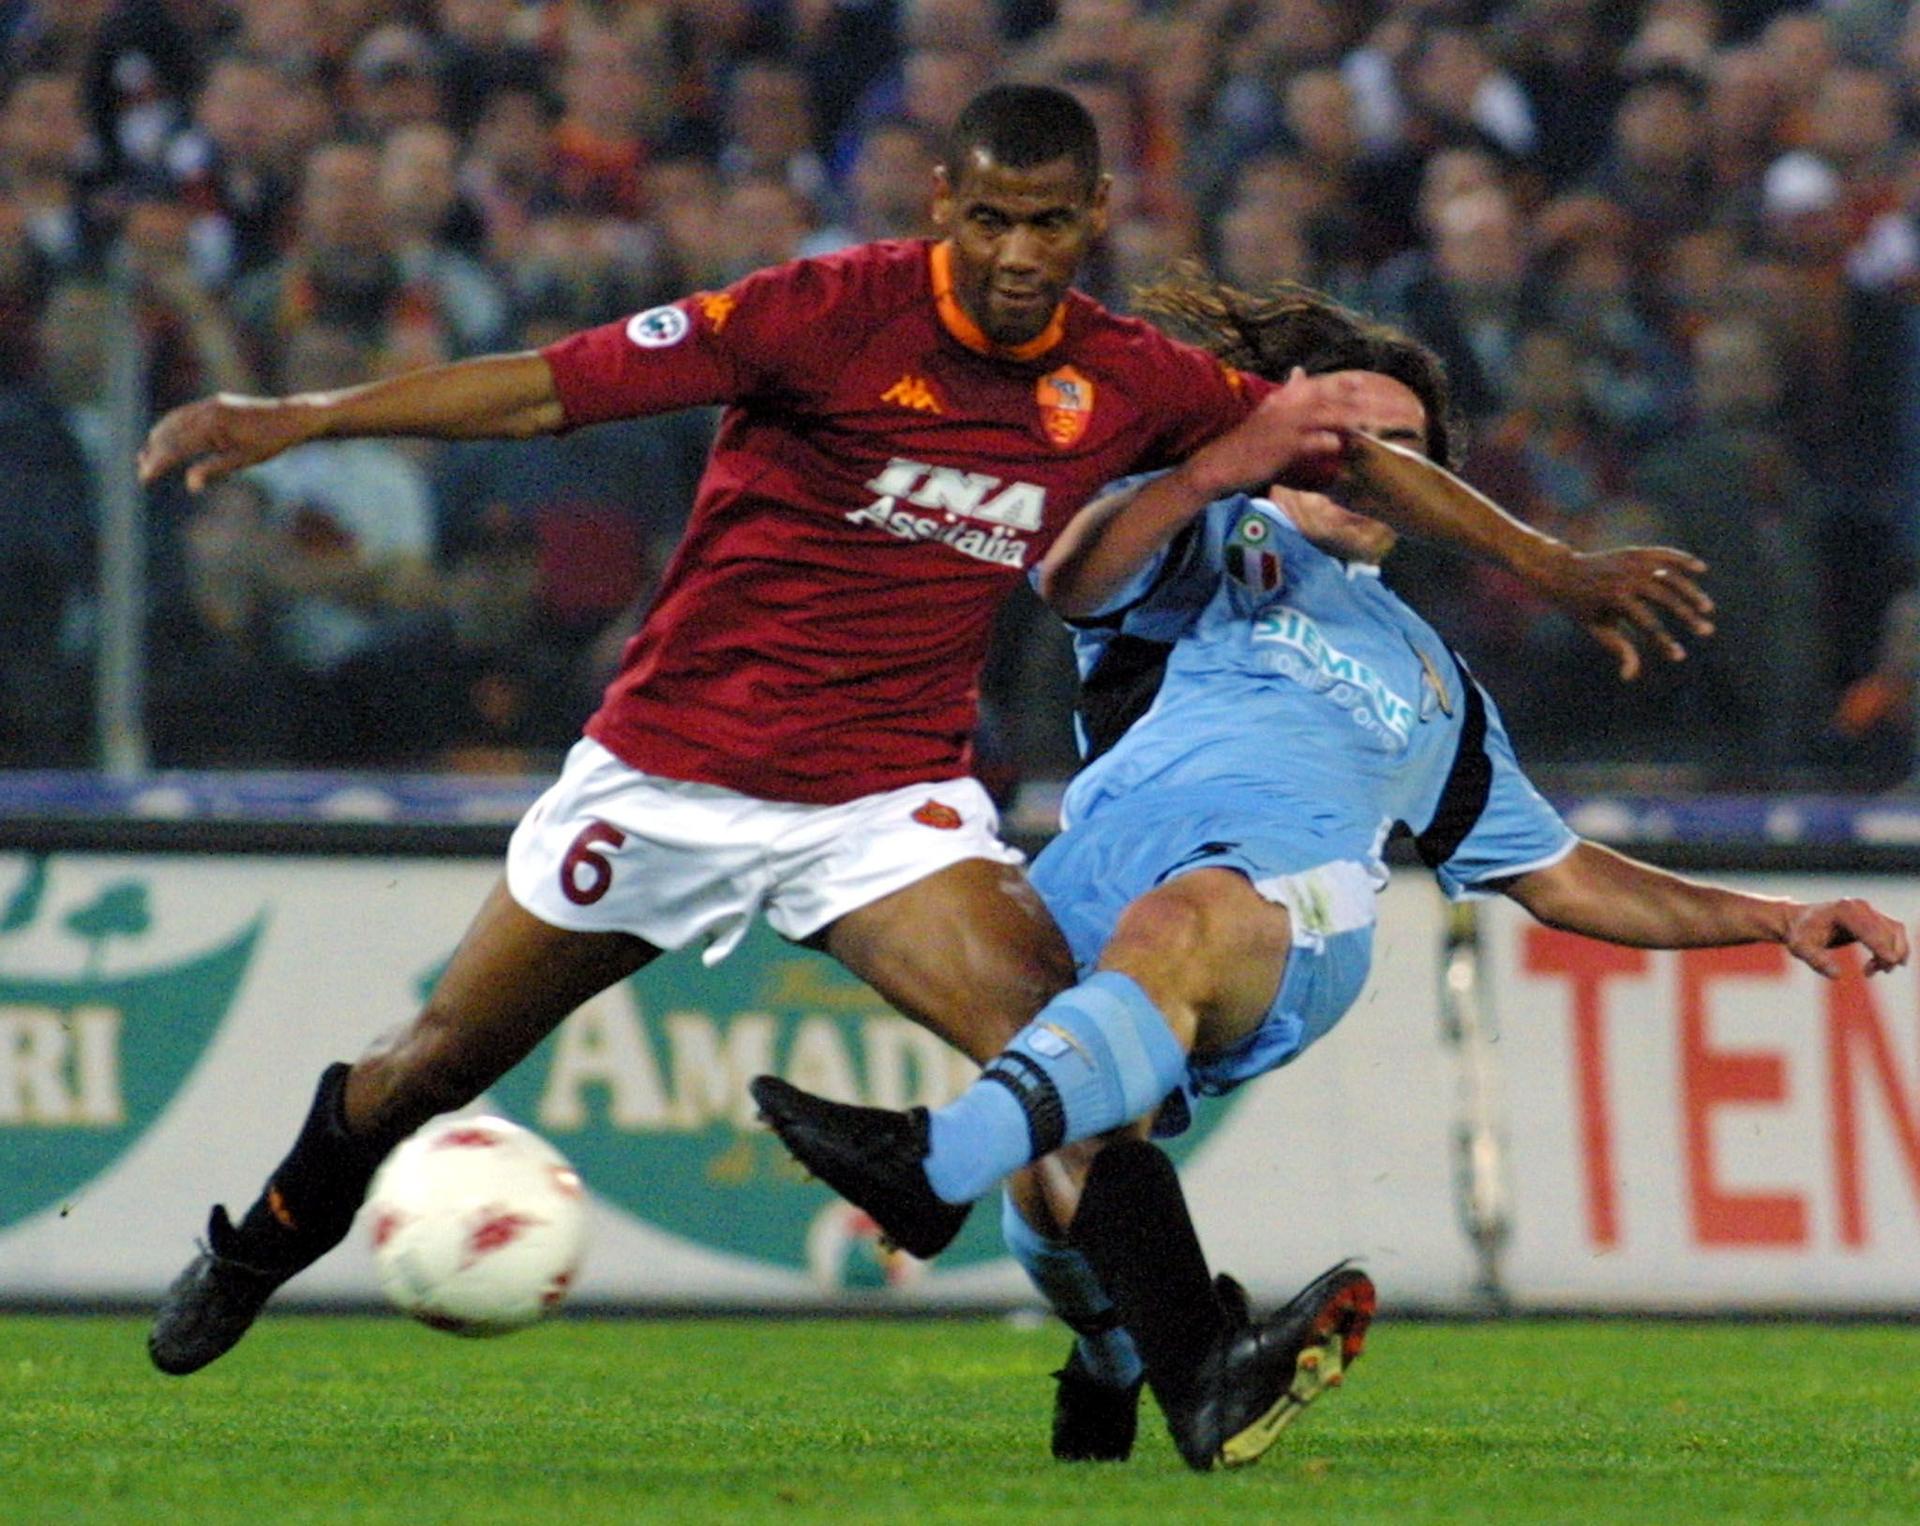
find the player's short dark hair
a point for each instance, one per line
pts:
(1289, 325)
(1024, 127)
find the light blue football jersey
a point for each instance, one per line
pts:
(1246, 661)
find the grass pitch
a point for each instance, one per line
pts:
(376, 1420)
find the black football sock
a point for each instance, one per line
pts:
(1133, 1227)
(311, 1197)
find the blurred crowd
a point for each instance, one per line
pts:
(1670, 252)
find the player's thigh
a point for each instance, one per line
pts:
(969, 952)
(1209, 950)
(512, 981)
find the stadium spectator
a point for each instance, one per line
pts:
(47, 513)
(767, 131)
(886, 190)
(1759, 699)
(767, 222)
(225, 167)
(1562, 55)
(484, 50)
(45, 150)
(1633, 381)
(1261, 238)
(1799, 44)
(1454, 80)
(946, 50)
(394, 80)
(140, 75)
(341, 559)
(504, 171)
(344, 268)
(1744, 104)
(1657, 166)
(432, 231)
(608, 124)
(1468, 299)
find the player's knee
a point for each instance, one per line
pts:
(1159, 929)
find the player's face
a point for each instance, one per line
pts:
(1019, 236)
(1389, 410)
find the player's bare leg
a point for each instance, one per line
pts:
(511, 981)
(971, 953)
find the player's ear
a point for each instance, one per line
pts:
(941, 208)
(1098, 211)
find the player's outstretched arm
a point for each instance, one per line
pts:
(1604, 894)
(1112, 538)
(1623, 598)
(496, 396)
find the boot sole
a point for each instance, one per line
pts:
(1334, 1342)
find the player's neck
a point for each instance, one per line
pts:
(961, 324)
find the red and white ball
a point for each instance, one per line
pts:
(478, 1226)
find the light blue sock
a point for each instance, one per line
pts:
(1096, 1057)
(1063, 1276)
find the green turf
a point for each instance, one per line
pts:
(319, 1419)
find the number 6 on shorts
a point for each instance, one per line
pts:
(586, 875)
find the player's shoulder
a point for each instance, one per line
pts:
(883, 276)
(1133, 348)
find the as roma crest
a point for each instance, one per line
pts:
(1066, 405)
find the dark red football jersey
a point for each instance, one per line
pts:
(881, 477)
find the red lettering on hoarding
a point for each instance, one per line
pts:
(1714, 1078)
(1855, 1032)
(1589, 966)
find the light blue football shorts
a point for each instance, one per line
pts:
(1090, 874)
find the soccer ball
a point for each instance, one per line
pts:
(478, 1226)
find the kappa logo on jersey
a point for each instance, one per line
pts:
(1306, 656)
(1251, 557)
(716, 307)
(976, 514)
(913, 392)
(1066, 405)
(658, 327)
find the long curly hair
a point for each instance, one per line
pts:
(1290, 325)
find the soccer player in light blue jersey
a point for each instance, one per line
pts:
(1259, 712)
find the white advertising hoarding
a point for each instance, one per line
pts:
(1712, 1129)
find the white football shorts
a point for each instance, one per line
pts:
(610, 849)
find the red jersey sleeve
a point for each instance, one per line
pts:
(766, 335)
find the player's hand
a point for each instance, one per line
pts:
(1631, 598)
(1816, 931)
(219, 435)
(1301, 423)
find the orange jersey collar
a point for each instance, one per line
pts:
(954, 318)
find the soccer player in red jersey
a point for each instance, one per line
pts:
(908, 427)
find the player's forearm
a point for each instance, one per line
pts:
(1603, 894)
(1114, 536)
(1415, 496)
(493, 397)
